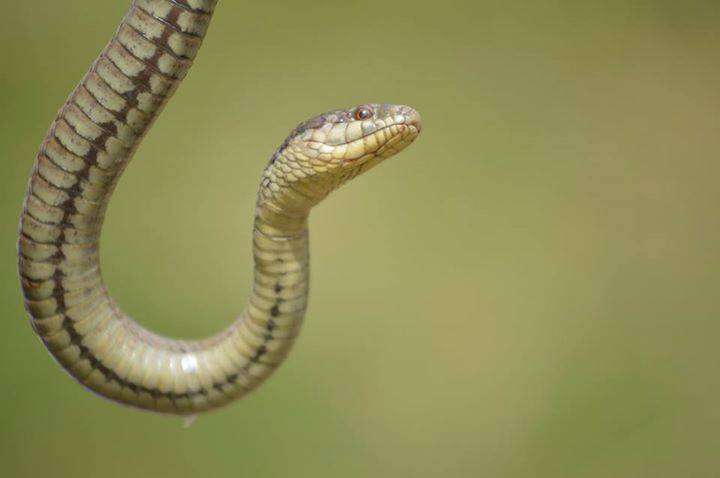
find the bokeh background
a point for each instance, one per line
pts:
(531, 290)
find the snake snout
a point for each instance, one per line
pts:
(412, 117)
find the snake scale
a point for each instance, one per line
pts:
(78, 165)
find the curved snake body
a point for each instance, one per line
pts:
(77, 167)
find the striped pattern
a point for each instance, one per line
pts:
(76, 169)
(79, 162)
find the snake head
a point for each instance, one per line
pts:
(326, 151)
(352, 136)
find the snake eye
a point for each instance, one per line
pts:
(363, 113)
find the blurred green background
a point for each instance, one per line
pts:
(531, 290)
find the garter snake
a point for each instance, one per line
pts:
(78, 165)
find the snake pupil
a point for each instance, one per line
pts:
(363, 113)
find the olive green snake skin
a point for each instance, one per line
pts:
(79, 163)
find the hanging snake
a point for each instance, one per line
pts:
(78, 165)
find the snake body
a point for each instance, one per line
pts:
(80, 160)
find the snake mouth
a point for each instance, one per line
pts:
(381, 143)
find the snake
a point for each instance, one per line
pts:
(80, 160)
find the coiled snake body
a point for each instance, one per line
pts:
(76, 169)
